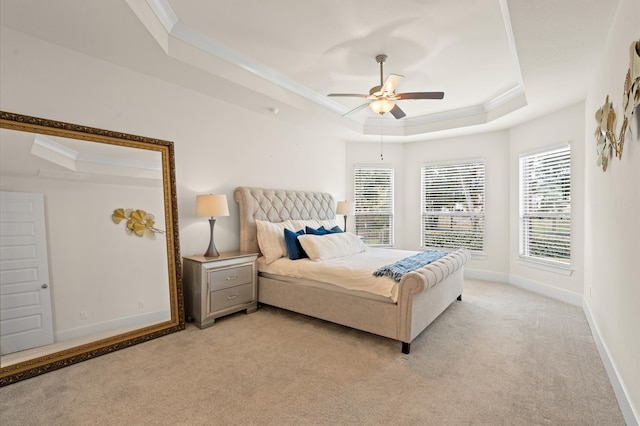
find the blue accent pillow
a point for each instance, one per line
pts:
(320, 231)
(323, 231)
(294, 248)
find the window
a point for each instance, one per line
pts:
(545, 206)
(453, 205)
(373, 187)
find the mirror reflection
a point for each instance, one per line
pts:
(87, 245)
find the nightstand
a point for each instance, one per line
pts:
(219, 286)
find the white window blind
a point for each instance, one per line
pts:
(373, 187)
(453, 205)
(545, 205)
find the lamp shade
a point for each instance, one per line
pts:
(212, 205)
(381, 106)
(344, 208)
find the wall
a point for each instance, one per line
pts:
(605, 241)
(369, 154)
(564, 126)
(492, 148)
(218, 146)
(407, 160)
(92, 261)
(500, 150)
(612, 206)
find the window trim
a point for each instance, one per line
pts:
(546, 265)
(556, 266)
(393, 198)
(474, 253)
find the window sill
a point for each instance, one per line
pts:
(481, 255)
(545, 265)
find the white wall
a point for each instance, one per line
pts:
(490, 147)
(407, 160)
(612, 213)
(92, 261)
(605, 245)
(564, 126)
(500, 151)
(369, 154)
(218, 146)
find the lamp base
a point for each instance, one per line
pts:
(345, 223)
(211, 250)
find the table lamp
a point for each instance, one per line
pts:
(212, 206)
(344, 208)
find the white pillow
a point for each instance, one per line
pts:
(330, 246)
(298, 224)
(303, 223)
(271, 239)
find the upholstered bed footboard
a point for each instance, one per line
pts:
(423, 296)
(369, 315)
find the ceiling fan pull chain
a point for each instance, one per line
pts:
(381, 133)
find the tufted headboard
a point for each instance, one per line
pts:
(277, 205)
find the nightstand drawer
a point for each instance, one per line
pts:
(230, 277)
(233, 296)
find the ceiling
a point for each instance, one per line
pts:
(499, 62)
(31, 155)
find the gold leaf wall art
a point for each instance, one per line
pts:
(605, 136)
(138, 222)
(607, 144)
(631, 96)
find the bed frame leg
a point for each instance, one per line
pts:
(406, 347)
(459, 297)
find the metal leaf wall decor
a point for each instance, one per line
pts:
(607, 144)
(138, 222)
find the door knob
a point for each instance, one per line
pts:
(44, 286)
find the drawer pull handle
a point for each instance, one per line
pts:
(232, 277)
(233, 296)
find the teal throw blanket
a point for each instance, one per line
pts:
(403, 266)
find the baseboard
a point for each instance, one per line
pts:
(546, 290)
(479, 274)
(525, 283)
(101, 328)
(629, 413)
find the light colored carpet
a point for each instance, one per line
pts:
(502, 356)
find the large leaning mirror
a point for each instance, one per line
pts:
(89, 252)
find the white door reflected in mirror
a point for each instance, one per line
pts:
(26, 294)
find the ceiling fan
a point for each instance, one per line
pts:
(383, 98)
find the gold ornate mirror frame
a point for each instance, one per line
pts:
(53, 361)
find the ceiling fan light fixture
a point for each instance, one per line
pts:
(383, 97)
(381, 106)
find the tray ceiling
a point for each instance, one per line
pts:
(499, 62)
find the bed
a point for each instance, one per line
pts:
(401, 313)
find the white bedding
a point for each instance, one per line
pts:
(353, 272)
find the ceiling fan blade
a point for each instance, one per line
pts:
(392, 83)
(349, 95)
(356, 109)
(397, 112)
(420, 95)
